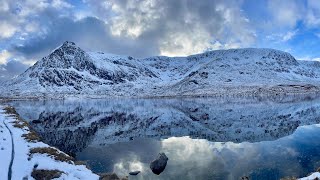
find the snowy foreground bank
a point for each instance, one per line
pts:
(23, 156)
(313, 176)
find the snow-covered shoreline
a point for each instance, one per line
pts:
(18, 161)
(313, 176)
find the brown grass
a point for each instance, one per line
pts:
(10, 110)
(20, 124)
(41, 174)
(82, 163)
(31, 136)
(58, 156)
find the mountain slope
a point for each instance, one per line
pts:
(70, 71)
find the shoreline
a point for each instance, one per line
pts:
(227, 92)
(33, 158)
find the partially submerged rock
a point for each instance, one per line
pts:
(134, 173)
(158, 165)
(111, 176)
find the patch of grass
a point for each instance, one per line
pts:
(82, 163)
(41, 174)
(58, 156)
(31, 137)
(20, 124)
(10, 110)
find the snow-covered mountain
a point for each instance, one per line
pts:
(70, 71)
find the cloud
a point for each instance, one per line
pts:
(285, 13)
(31, 29)
(308, 58)
(4, 56)
(11, 69)
(60, 4)
(177, 27)
(7, 30)
(89, 33)
(129, 164)
(289, 35)
(147, 28)
(313, 13)
(283, 37)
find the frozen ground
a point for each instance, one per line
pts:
(18, 163)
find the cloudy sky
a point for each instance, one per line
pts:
(30, 29)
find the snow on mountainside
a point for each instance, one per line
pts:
(70, 71)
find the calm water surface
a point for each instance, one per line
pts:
(203, 138)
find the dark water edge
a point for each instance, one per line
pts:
(204, 138)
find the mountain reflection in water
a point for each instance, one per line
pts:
(203, 138)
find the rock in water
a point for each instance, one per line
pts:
(158, 165)
(134, 173)
(110, 176)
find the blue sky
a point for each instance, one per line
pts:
(30, 29)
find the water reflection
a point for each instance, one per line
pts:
(203, 138)
(294, 155)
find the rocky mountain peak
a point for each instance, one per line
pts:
(65, 56)
(68, 43)
(67, 48)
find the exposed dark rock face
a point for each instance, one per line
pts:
(70, 66)
(158, 165)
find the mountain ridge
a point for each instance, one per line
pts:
(70, 71)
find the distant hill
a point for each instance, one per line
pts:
(70, 71)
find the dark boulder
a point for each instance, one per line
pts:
(111, 176)
(158, 165)
(36, 121)
(134, 173)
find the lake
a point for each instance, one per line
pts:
(204, 138)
